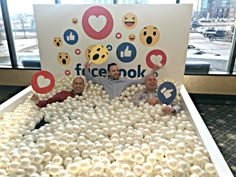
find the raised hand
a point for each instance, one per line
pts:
(158, 66)
(35, 98)
(87, 64)
(167, 109)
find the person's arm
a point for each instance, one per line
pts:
(171, 109)
(142, 80)
(137, 98)
(167, 109)
(35, 98)
(177, 108)
(89, 76)
(61, 96)
(152, 101)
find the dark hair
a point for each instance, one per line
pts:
(110, 65)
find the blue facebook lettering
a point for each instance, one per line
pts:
(102, 72)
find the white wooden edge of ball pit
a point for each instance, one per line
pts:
(14, 101)
(217, 158)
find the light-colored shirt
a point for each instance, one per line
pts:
(114, 88)
(144, 94)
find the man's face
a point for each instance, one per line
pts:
(78, 85)
(114, 72)
(151, 83)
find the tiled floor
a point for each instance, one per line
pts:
(221, 122)
(7, 92)
(219, 116)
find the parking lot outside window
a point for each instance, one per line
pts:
(24, 34)
(211, 37)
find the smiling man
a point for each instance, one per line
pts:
(77, 89)
(149, 95)
(113, 83)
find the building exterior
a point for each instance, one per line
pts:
(218, 9)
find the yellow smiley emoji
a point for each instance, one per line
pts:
(132, 37)
(57, 41)
(74, 20)
(63, 58)
(129, 20)
(98, 54)
(88, 51)
(149, 35)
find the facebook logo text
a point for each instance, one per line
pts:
(102, 72)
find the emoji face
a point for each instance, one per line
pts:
(88, 51)
(149, 35)
(63, 58)
(98, 54)
(132, 37)
(57, 41)
(129, 20)
(74, 20)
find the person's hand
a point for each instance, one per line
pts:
(35, 98)
(157, 66)
(152, 101)
(87, 64)
(167, 109)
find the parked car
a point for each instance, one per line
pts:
(201, 29)
(208, 32)
(195, 24)
(213, 34)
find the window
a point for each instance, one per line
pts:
(146, 1)
(23, 30)
(211, 32)
(4, 52)
(86, 1)
(212, 36)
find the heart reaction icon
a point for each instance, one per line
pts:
(156, 57)
(97, 22)
(42, 82)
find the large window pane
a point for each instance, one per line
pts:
(23, 28)
(4, 52)
(146, 1)
(211, 37)
(86, 1)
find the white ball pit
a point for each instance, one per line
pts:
(89, 135)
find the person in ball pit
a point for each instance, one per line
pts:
(149, 95)
(113, 83)
(77, 89)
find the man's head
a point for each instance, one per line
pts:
(151, 82)
(78, 85)
(113, 71)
